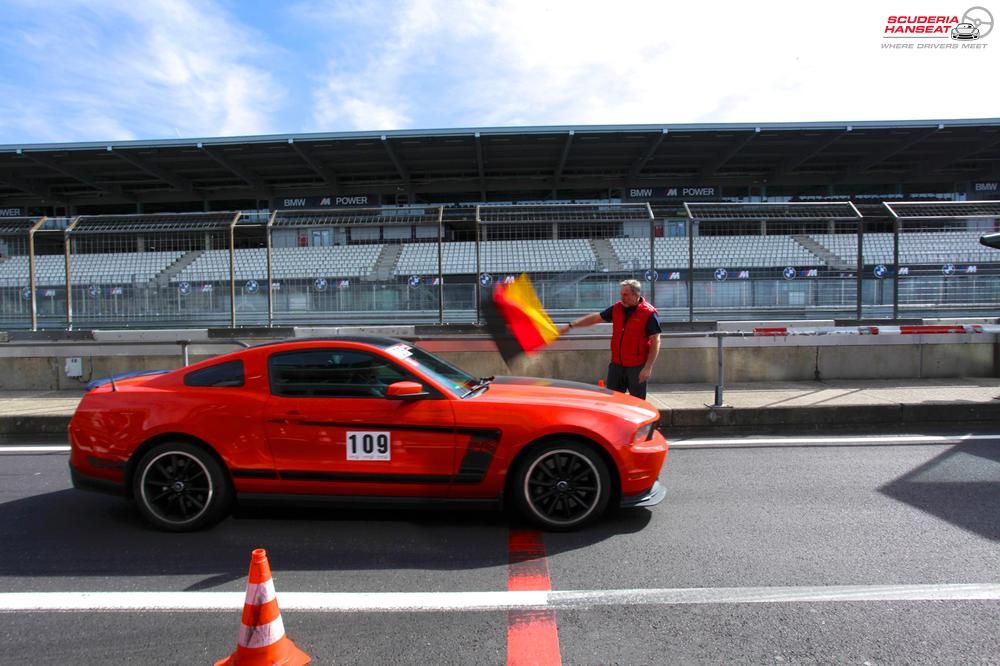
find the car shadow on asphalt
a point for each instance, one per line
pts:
(74, 533)
(960, 486)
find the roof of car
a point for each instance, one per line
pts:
(375, 341)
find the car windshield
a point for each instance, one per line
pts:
(454, 379)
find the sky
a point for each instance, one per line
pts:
(117, 70)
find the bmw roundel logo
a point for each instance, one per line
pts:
(948, 269)
(651, 275)
(26, 293)
(485, 279)
(880, 271)
(414, 281)
(184, 288)
(320, 284)
(252, 286)
(789, 273)
(721, 274)
(94, 290)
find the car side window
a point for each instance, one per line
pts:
(225, 374)
(333, 373)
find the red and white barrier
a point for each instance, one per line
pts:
(905, 329)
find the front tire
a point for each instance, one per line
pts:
(179, 487)
(562, 486)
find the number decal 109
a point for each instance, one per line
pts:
(369, 445)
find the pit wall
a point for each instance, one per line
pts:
(38, 361)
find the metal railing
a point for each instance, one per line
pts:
(420, 265)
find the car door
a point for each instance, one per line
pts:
(332, 430)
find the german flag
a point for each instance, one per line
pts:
(516, 319)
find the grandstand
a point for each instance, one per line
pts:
(50, 270)
(370, 263)
(715, 252)
(540, 256)
(716, 220)
(304, 263)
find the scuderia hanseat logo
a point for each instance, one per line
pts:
(947, 30)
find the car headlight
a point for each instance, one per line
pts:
(643, 433)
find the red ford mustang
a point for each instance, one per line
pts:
(362, 419)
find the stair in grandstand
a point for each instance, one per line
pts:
(606, 257)
(174, 269)
(825, 255)
(386, 262)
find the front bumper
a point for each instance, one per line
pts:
(651, 497)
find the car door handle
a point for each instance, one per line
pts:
(290, 417)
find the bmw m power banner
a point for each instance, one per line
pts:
(516, 319)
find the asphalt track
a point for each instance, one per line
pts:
(870, 549)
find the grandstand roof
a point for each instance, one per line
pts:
(491, 162)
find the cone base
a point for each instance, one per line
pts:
(282, 653)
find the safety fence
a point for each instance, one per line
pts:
(435, 264)
(783, 331)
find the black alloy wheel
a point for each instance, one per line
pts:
(179, 487)
(563, 486)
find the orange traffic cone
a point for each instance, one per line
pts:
(262, 638)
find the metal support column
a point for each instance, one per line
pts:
(31, 272)
(270, 276)
(478, 266)
(860, 279)
(721, 382)
(440, 248)
(895, 267)
(232, 270)
(69, 283)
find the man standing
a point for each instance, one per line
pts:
(635, 339)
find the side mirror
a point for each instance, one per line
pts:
(405, 391)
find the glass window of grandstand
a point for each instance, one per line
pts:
(150, 269)
(339, 265)
(333, 373)
(575, 253)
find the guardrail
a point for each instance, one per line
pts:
(783, 331)
(720, 336)
(183, 344)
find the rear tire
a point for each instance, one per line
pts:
(179, 487)
(562, 486)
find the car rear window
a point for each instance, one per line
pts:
(229, 373)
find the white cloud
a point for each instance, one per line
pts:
(137, 70)
(121, 69)
(517, 62)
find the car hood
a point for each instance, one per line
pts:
(557, 392)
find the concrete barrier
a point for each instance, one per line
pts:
(32, 362)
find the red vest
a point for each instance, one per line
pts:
(629, 342)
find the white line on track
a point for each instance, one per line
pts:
(11, 450)
(865, 440)
(488, 601)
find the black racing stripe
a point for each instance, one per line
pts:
(295, 475)
(254, 474)
(478, 456)
(475, 464)
(374, 426)
(553, 383)
(488, 432)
